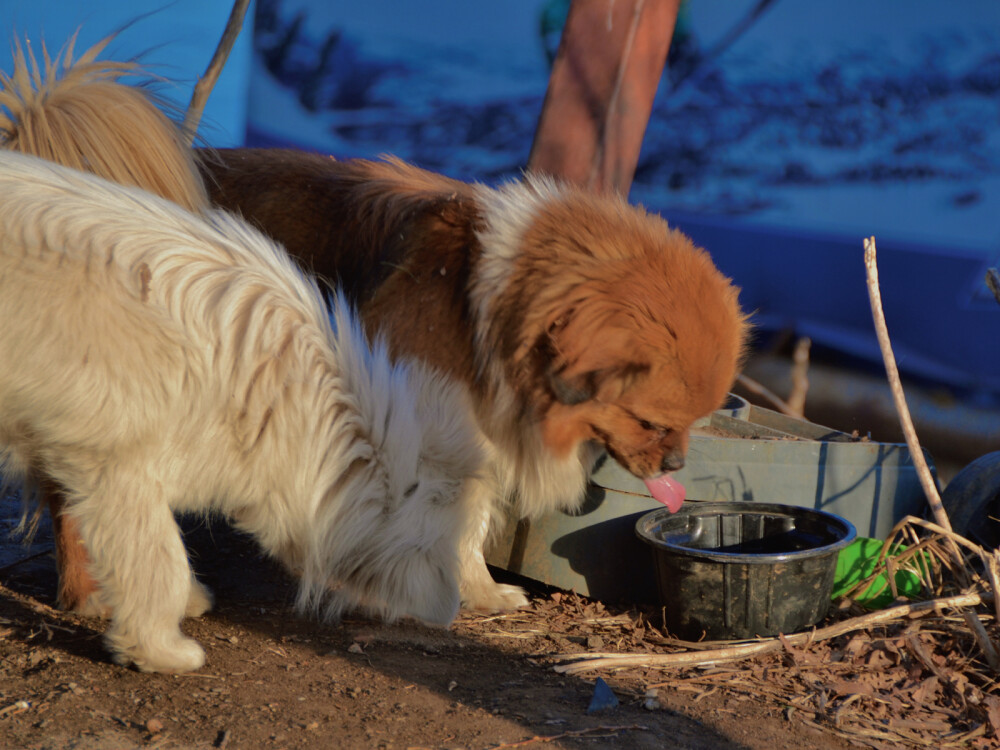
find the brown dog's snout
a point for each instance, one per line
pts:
(674, 450)
(672, 461)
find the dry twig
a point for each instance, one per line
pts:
(768, 395)
(203, 88)
(800, 377)
(892, 372)
(983, 639)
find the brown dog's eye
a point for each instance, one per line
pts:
(650, 427)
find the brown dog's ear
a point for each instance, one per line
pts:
(573, 391)
(551, 363)
(579, 358)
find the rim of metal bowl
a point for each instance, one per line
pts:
(645, 523)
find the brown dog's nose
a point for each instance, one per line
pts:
(672, 462)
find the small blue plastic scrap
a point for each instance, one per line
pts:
(603, 697)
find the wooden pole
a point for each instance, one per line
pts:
(601, 91)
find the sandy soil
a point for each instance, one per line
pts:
(275, 680)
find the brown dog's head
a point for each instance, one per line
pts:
(627, 333)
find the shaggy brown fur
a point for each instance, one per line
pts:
(395, 238)
(572, 319)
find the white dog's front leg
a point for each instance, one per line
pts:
(139, 562)
(479, 590)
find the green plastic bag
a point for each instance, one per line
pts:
(857, 561)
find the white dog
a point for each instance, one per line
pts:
(155, 361)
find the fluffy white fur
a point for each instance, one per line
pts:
(156, 362)
(522, 467)
(519, 468)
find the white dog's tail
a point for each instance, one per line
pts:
(78, 113)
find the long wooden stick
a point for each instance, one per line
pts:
(800, 377)
(892, 372)
(588, 662)
(919, 462)
(203, 88)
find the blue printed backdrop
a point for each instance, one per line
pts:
(173, 39)
(820, 113)
(778, 148)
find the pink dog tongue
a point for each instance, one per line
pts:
(666, 490)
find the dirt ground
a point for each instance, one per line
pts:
(275, 680)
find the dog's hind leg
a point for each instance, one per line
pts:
(141, 566)
(77, 591)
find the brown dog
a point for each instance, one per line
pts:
(576, 322)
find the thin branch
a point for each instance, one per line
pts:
(800, 377)
(983, 639)
(935, 528)
(768, 395)
(203, 88)
(882, 331)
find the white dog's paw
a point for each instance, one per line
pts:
(200, 599)
(493, 597)
(178, 655)
(439, 610)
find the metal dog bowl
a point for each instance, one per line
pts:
(740, 570)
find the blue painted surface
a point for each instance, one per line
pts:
(174, 40)
(940, 317)
(818, 126)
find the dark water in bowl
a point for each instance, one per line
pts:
(791, 541)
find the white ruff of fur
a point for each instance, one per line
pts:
(157, 362)
(522, 465)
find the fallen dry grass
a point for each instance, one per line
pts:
(911, 675)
